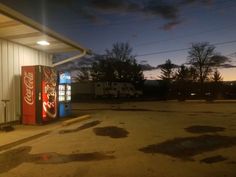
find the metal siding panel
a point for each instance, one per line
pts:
(21, 56)
(40, 58)
(5, 71)
(49, 60)
(17, 80)
(5, 79)
(1, 84)
(30, 56)
(36, 57)
(12, 57)
(33, 60)
(26, 57)
(44, 61)
(11, 84)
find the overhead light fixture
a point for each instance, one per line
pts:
(43, 43)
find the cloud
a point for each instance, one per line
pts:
(227, 66)
(108, 4)
(147, 67)
(94, 10)
(170, 25)
(161, 8)
(91, 8)
(205, 2)
(113, 6)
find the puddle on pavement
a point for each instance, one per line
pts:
(204, 129)
(111, 131)
(185, 148)
(15, 157)
(55, 158)
(84, 126)
(213, 159)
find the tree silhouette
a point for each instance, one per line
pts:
(203, 59)
(167, 70)
(216, 78)
(117, 65)
(183, 74)
(183, 81)
(167, 76)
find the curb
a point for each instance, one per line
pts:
(43, 133)
(23, 140)
(75, 120)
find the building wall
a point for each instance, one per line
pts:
(12, 57)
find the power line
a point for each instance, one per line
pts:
(161, 52)
(183, 49)
(185, 36)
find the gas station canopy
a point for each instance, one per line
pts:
(20, 29)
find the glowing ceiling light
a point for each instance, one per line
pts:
(43, 43)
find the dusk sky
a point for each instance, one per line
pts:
(157, 30)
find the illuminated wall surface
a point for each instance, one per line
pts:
(12, 57)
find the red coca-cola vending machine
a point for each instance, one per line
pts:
(39, 94)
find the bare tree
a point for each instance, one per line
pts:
(117, 65)
(203, 59)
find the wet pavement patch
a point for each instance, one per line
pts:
(186, 148)
(111, 131)
(204, 129)
(84, 126)
(214, 159)
(55, 158)
(15, 157)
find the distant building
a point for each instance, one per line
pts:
(104, 89)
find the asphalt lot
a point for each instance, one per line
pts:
(155, 139)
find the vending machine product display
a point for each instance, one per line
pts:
(64, 91)
(39, 94)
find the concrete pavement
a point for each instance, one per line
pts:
(25, 133)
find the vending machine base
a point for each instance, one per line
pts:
(64, 109)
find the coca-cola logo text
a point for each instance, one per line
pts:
(29, 86)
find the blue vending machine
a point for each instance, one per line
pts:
(64, 94)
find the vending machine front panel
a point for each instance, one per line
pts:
(28, 95)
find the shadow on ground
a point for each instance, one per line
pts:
(83, 127)
(186, 148)
(204, 129)
(15, 157)
(111, 131)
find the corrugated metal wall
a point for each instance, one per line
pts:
(12, 57)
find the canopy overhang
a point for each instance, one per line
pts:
(20, 29)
